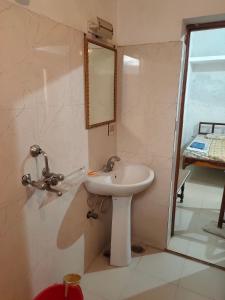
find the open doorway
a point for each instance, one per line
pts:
(198, 228)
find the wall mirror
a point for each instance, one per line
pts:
(100, 83)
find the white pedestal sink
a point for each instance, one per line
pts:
(122, 183)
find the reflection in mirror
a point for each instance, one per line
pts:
(100, 83)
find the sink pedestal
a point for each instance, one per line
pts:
(121, 232)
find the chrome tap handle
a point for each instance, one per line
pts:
(60, 177)
(53, 178)
(26, 179)
(35, 150)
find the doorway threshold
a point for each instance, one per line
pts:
(195, 259)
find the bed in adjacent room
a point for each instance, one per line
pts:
(207, 149)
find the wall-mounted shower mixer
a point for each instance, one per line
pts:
(48, 180)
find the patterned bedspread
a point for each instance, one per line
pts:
(214, 150)
(217, 149)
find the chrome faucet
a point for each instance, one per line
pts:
(49, 179)
(110, 163)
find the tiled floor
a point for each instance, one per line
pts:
(155, 276)
(203, 194)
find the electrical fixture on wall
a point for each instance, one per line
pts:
(102, 29)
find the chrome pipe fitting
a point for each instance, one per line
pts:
(92, 215)
(110, 164)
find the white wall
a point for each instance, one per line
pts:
(205, 98)
(149, 21)
(205, 102)
(75, 13)
(148, 86)
(207, 43)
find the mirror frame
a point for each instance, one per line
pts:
(86, 81)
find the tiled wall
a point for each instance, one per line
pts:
(75, 13)
(101, 146)
(42, 237)
(146, 122)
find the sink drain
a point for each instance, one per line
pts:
(137, 249)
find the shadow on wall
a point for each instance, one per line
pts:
(41, 91)
(76, 225)
(73, 224)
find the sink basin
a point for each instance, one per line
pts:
(121, 183)
(125, 180)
